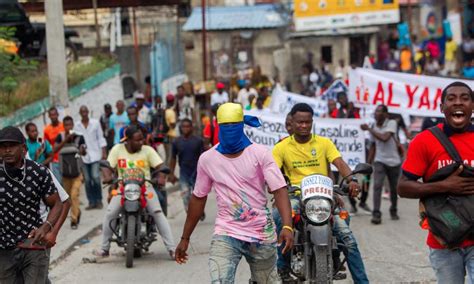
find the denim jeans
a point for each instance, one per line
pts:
(393, 173)
(343, 235)
(154, 209)
(92, 183)
(450, 266)
(225, 254)
(24, 266)
(56, 169)
(186, 186)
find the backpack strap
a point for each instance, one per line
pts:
(447, 144)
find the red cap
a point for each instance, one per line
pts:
(220, 85)
(169, 97)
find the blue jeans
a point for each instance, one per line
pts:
(92, 183)
(225, 254)
(450, 266)
(56, 169)
(343, 235)
(186, 186)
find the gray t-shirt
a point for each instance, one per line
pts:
(387, 152)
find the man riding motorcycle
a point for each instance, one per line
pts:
(303, 154)
(133, 154)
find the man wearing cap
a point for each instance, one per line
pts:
(133, 154)
(142, 108)
(220, 96)
(23, 184)
(238, 171)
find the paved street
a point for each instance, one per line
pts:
(393, 253)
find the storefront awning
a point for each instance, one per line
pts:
(263, 16)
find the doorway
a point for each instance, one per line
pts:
(358, 49)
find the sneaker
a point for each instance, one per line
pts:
(376, 218)
(99, 206)
(101, 253)
(90, 207)
(365, 207)
(386, 195)
(286, 276)
(203, 217)
(394, 216)
(172, 255)
(340, 276)
(74, 225)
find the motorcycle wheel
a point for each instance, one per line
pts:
(323, 259)
(131, 224)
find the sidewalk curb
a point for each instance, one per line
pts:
(174, 199)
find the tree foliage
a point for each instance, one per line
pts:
(12, 66)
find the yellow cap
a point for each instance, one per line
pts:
(230, 113)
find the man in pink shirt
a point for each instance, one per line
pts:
(238, 171)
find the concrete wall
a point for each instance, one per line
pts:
(109, 91)
(265, 42)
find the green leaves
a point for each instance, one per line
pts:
(12, 66)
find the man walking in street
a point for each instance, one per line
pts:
(187, 148)
(70, 146)
(23, 184)
(211, 130)
(238, 171)
(39, 150)
(220, 96)
(118, 120)
(96, 146)
(425, 157)
(105, 124)
(50, 133)
(387, 161)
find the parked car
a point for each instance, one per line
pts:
(31, 37)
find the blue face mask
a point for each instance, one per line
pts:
(232, 139)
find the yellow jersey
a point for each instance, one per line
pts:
(300, 160)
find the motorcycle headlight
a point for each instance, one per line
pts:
(318, 210)
(132, 191)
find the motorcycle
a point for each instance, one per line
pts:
(311, 255)
(134, 228)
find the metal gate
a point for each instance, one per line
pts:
(166, 56)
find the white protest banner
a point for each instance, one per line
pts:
(338, 86)
(345, 133)
(402, 93)
(283, 101)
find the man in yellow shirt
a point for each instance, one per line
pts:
(450, 56)
(303, 154)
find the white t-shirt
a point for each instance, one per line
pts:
(243, 96)
(44, 210)
(217, 98)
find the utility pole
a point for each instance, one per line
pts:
(204, 41)
(96, 23)
(57, 73)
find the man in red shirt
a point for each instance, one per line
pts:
(51, 131)
(346, 109)
(425, 156)
(211, 130)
